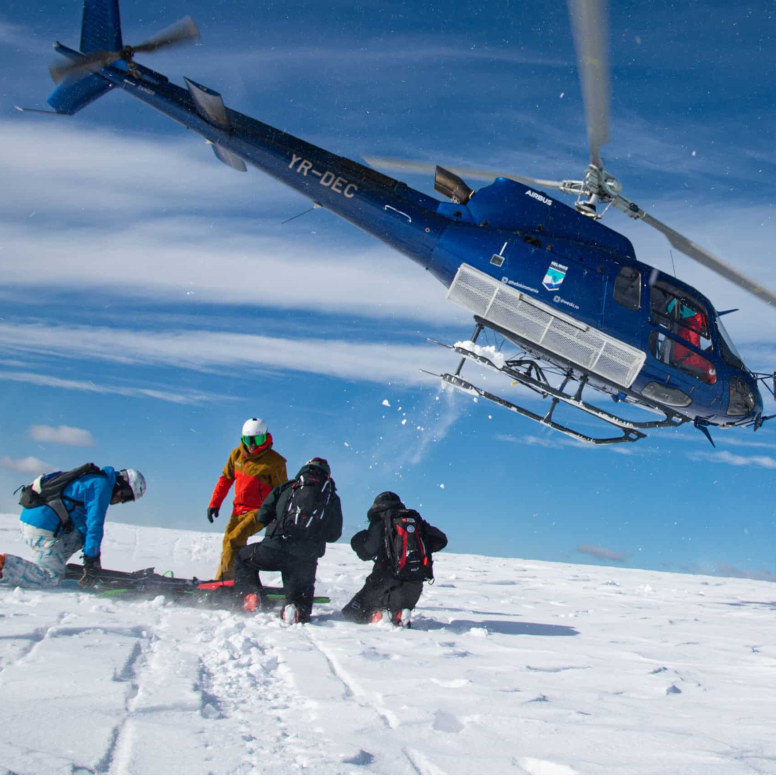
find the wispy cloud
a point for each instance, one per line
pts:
(221, 262)
(165, 174)
(28, 465)
(204, 350)
(62, 435)
(531, 441)
(176, 397)
(16, 36)
(603, 553)
(723, 456)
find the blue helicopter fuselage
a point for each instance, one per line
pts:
(524, 238)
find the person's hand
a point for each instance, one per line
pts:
(91, 573)
(211, 513)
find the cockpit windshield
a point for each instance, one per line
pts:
(728, 350)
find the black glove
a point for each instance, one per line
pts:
(91, 571)
(211, 513)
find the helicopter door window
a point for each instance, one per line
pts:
(627, 288)
(672, 352)
(677, 311)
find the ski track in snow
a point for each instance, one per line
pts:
(512, 666)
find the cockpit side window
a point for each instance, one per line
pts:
(627, 288)
(687, 319)
(681, 314)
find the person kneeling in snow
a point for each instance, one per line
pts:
(69, 518)
(401, 544)
(301, 516)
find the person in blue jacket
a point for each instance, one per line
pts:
(87, 500)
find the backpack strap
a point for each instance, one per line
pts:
(65, 521)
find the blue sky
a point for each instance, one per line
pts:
(151, 299)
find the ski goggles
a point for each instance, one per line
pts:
(123, 490)
(254, 441)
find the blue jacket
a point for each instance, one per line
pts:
(96, 491)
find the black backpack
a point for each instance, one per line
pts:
(47, 489)
(305, 514)
(405, 546)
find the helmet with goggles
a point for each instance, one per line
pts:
(254, 433)
(130, 484)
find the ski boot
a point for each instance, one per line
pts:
(379, 615)
(2, 563)
(252, 602)
(403, 618)
(290, 615)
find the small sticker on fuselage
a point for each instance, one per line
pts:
(555, 275)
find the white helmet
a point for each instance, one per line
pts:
(135, 482)
(254, 427)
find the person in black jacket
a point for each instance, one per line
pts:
(383, 590)
(296, 537)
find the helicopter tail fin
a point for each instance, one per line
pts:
(101, 26)
(100, 31)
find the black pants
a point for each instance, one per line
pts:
(382, 591)
(298, 574)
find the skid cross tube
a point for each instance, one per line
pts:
(557, 394)
(672, 418)
(630, 428)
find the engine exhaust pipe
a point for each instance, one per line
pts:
(451, 186)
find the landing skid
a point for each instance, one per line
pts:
(630, 429)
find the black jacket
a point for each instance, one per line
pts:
(369, 544)
(274, 507)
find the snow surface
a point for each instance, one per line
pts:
(512, 666)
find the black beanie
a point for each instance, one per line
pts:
(387, 499)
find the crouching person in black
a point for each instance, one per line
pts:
(301, 516)
(401, 544)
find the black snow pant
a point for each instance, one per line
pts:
(298, 574)
(382, 590)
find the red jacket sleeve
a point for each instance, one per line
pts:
(224, 482)
(220, 491)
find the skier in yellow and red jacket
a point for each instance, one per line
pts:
(255, 469)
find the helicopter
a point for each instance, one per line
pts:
(567, 291)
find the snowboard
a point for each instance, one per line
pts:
(146, 583)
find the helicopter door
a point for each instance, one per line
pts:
(680, 339)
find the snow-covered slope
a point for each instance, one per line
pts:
(511, 667)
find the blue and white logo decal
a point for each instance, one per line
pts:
(554, 277)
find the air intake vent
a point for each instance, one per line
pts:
(539, 323)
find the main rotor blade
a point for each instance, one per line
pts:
(183, 31)
(405, 165)
(712, 262)
(590, 24)
(90, 64)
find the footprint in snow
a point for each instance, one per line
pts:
(373, 654)
(362, 758)
(447, 723)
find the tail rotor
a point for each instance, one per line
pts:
(182, 32)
